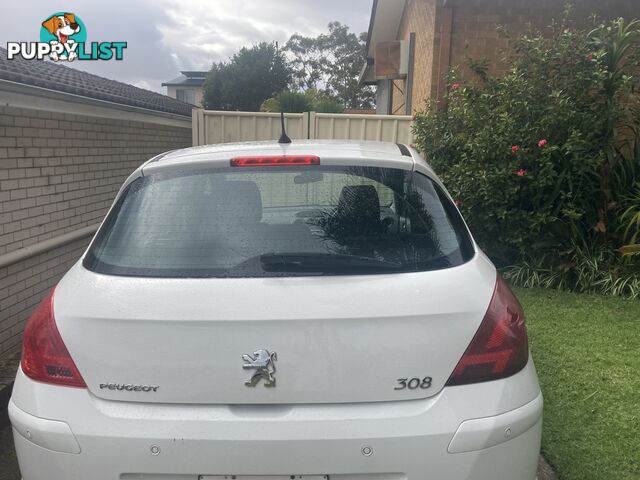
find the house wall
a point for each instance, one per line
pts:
(59, 172)
(476, 25)
(198, 92)
(418, 17)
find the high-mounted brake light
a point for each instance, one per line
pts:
(45, 358)
(499, 348)
(275, 160)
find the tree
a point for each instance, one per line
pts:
(331, 64)
(307, 61)
(346, 53)
(249, 78)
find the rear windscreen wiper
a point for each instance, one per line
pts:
(323, 262)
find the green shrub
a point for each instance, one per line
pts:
(600, 271)
(327, 105)
(630, 217)
(542, 159)
(297, 102)
(287, 102)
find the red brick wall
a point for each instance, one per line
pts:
(476, 23)
(418, 17)
(475, 33)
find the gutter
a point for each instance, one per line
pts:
(25, 88)
(183, 84)
(372, 19)
(364, 73)
(368, 61)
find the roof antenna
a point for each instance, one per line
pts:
(283, 138)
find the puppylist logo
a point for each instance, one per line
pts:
(63, 37)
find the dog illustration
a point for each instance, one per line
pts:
(62, 26)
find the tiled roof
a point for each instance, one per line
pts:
(189, 78)
(53, 76)
(195, 73)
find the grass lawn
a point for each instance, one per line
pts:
(587, 352)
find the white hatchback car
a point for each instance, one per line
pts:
(264, 311)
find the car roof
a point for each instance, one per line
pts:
(332, 152)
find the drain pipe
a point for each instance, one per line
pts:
(444, 53)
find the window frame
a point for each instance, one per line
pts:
(183, 92)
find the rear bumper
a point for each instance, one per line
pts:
(487, 431)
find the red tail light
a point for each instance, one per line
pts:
(44, 355)
(275, 160)
(500, 346)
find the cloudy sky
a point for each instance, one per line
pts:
(166, 36)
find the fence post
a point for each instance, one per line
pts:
(305, 125)
(312, 125)
(194, 127)
(202, 127)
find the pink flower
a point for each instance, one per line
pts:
(412, 145)
(455, 86)
(515, 149)
(415, 117)
(589, 57)
(521, 173)
(458, 203)
(542, 143)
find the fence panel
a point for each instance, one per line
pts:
(385, 128)
(211, 126)
(224, 127)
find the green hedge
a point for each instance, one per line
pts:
(544, 160)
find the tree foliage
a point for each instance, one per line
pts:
(249, 78)
(331, 63)
(287, 102)
(307, 61)
(297, 102)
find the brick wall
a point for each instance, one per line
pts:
(475, 29)
(24, 284)
(60, 172)
(475, 33)
(419, 18)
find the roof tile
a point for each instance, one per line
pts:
(53, 76)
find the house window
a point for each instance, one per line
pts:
(186, 95)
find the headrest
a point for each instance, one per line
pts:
(359, 201)
(240, 200)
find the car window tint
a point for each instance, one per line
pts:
(232, 222)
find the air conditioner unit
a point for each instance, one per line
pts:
(391, 60)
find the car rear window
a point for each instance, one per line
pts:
(280, 221)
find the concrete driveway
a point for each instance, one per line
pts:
(8, 462)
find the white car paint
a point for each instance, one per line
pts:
(342, 343)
